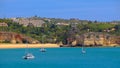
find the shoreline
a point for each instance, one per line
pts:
(48, 45)
(7, 46)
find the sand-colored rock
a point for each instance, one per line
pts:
(15, 38)
(97, 39)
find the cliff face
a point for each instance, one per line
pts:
(15, 38)
(97, 39)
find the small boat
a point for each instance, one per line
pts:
(83, 51)
(29, 56)
(43, 50)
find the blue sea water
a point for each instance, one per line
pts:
(62, 58)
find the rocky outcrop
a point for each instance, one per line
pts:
(10, 37)
(3, 24)
(28, 21)
(97, 39)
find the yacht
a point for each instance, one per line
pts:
(29, 56)
(43, 50)
(83, 51)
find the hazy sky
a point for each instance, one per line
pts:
(101, 10)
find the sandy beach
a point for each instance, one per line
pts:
(29, 45)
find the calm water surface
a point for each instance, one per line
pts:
(61, 58)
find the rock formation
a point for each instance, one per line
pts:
(11, 37)
(97, 39)
(28, 21)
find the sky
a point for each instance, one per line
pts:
(100, 10)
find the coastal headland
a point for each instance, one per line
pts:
(36, 31)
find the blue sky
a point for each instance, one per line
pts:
(101, 10)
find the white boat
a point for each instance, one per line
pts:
(29, 56)
(83, 51)
(43, 50)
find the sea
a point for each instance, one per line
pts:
(95, 57)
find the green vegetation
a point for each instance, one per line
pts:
(6, 41)
(56, 33)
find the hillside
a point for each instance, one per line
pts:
(52, 30)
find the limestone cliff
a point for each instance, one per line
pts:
(15, 38)
(97, 39)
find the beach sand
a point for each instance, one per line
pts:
(29, 46)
